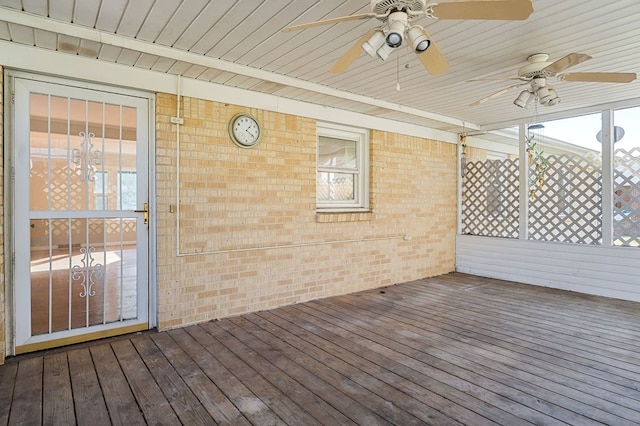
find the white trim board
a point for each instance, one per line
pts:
(37, 60)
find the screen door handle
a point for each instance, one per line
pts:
(145, 210)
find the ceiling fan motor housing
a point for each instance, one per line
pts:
(380, 7)
(535, 67)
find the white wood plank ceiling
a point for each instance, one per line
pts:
(239, 43)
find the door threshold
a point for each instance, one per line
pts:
(72, 340)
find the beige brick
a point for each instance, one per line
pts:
(248, 219)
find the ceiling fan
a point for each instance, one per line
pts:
(536, 73)
(397, 26)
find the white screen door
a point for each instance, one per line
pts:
(81, 189)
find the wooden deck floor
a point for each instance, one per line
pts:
(454, 349)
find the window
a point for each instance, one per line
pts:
(342, 179)
(626, 178)
(127, 190)
(100, 185)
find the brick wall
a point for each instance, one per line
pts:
(249, 235)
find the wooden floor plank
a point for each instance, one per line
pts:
(552, 311)
(386, 369)
(472, 406)
(319, 380)
(57, 398)
(185, 404)
(448, 350)
(322, 411)
(210, 396)
(528, 357)
(7, 379)
(351, 369)
(619, 316)
(497, 367)
(122, 405)
(261, 390)
(210, 367)
(150, 399)
(530, 335)
(26, 408)
(550, 314)
(88, 399)
(554, 324)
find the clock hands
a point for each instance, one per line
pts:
(247, 130)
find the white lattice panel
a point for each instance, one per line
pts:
(334, 186)
(626, 198)
(568, 205)
(490, 202)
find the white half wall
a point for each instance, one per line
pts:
(603, 271)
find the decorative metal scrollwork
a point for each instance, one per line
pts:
(86, 158)
(89, 272)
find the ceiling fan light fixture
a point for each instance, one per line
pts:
(544, 95)
(419, 39)
(397, 26)
(523, 99)
(555, 99)
(375, 42)
(384, 51)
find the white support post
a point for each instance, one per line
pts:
(607, 177)
(459, 182)
(524, 182)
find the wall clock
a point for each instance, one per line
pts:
(245, 131)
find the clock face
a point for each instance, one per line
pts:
(245, 131)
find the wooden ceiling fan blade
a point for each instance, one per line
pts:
(600, 77)
(329, 21)
(568, 61)
(433, 59)
(499, 93)
(352, 54)
(511, 10)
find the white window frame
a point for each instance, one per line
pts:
(361, 171)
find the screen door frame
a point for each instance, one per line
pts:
(22, 84)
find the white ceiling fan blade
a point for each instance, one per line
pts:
(495, 95)
(600, 77)
(568, 61)
(512, 10)
(329, 21)
(352, 54)
(433, 59)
